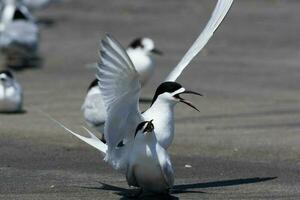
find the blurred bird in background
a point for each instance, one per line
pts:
(19, 36)
(11, 94)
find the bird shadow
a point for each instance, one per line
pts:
(178, 189)
(21, 112)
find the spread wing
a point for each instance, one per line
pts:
(217, 17)
(120, 88)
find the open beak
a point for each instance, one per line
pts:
(149, 128)
(177, 96)
(157, 52)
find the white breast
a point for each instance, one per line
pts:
(163, 120)
(11, 98)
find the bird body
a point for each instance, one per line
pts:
(17, 26)
(162, 114)
(149, 165)
(93, 108)
(11, 95)
(19, 36)
(20, 32)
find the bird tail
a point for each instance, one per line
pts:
(92, 140)
(117, 158)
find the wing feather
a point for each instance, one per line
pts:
(217, 17)
(120, 88)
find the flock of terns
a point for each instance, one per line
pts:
(19, 45)
(133, 142)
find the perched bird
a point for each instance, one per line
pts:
(120, 88)
(140, 51)
(11, 94)
(149, 165)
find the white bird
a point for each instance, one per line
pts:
(19, 34)
(149, 166)
(140, 51)
(120, 87)
(11, 94)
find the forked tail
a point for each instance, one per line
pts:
(92, 140)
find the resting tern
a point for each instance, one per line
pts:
(19, 35)
(120, 87)
(11, 95)
(140, 51)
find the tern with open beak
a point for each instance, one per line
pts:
(120, 87)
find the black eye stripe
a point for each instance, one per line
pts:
(139, 127)
(136, 43)
(7, 73)
(93, 84)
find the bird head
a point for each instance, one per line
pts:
(145, 45)
(93, 84)
(144, 128)
(170, 92)
(6, 76)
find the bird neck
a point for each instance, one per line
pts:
(162, 114)
(162, 105)
(161, 111)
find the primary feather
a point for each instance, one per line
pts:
(217, 17)
(120, 88)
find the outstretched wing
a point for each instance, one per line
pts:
(120, 88)
(217, 17)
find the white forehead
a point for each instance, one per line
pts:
(3, 75)
(148, 43)
(178, 91)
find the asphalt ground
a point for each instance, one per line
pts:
(244, 144)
